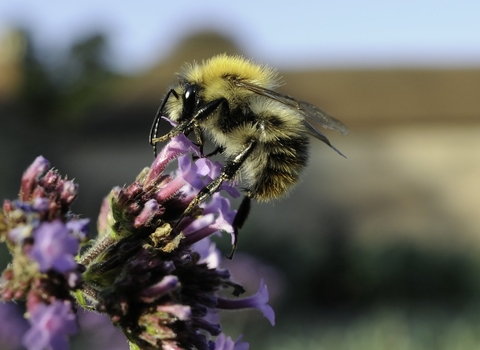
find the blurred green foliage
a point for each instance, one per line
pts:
(425, 328)
(65, 86)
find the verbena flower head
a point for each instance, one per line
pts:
(153, 271)
(43, 237)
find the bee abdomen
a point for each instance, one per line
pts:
(286, 158)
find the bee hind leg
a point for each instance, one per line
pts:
(238, 221)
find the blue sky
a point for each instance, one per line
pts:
(286, 34)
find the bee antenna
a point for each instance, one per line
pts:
(156, 122)
(154, 133)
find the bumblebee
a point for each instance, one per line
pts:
(262, 133)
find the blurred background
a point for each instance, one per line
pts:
(376, 251)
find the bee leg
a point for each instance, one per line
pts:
(200, 143)
(215, 151)
(240, 218)
(200, 139)
(188, 125)
(228, 173)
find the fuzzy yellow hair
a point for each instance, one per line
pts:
(212, 73)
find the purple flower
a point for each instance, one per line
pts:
(40, 204)
(149, 211)
(193, 173)
(51, 324)
(199, 173)
(226, 343)
(68, 191)
(54, 247)
(79, 228)
(221, 206)
(30, 176)
(208, 253)
(168, 284)
(181, 312)
(177, 146)
(43, 237)
(208, 224)
(258, 301)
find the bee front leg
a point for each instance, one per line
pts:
(190, 124)
(200, 139)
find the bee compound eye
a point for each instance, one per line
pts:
(189, 97)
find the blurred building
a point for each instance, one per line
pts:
(12, 50)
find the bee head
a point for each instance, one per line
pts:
(189, 99)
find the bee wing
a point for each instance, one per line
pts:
(313, 116)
